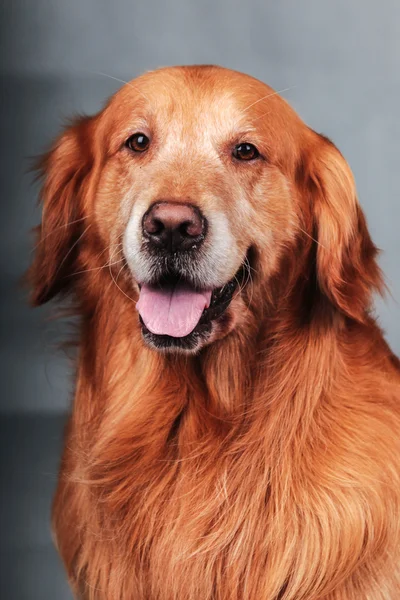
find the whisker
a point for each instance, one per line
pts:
(119, 272)
(249, 279)
(98, 256)
(58, 229)
(115, 249)
(269, 96)
(262, 116)
(121, 81)
(311, 238)
(72, 247)
(120, 289)
(108, 248)
(98, 268)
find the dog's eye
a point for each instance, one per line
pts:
(245, 151)
(138, 142)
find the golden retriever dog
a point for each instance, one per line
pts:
(235, 432)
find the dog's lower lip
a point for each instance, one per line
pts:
(220, 300)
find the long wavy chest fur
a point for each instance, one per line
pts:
(175, 491)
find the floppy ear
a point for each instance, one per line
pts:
(347, 271)
(65, 171)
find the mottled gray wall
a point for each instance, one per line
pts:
(340, 59)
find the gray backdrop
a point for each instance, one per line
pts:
(341, 61)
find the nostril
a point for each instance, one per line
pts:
(193, 228)
(183, 229)
(190, 229)
(152, 225)
(156, 227)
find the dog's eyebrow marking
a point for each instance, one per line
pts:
(121, 81)
(269, 96)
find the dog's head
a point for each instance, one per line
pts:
(194, 191)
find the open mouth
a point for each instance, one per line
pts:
(175, 314)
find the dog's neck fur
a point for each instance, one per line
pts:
(171, 433)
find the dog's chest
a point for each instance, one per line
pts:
(204, 515)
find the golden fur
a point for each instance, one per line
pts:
(267, 465)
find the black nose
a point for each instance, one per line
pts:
(174, 226)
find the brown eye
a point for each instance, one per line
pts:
(245, 151)
(138, 142)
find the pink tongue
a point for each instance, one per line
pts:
(172, 311)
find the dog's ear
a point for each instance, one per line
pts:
(347, 271)
(65, 171)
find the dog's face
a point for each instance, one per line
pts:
(195, 182)
(190, 188)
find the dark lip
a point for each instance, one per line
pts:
(220, 300)
(187, 343)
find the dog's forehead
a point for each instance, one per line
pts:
(197, 94)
